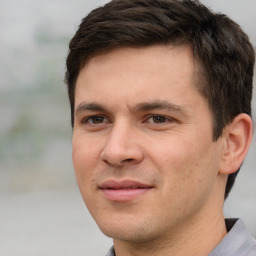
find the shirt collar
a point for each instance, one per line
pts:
(111, 252)
(238, 240)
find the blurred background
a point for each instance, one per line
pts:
(41, 210)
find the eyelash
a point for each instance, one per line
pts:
(89, 120)
(161, 119)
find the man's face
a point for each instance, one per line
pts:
(143, 153)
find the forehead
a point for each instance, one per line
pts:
(155, 57)
(156, 71)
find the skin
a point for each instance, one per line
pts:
(140, 117)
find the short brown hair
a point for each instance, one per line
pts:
(222, 49)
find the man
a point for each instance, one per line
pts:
(160, 94)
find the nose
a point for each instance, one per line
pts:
(122, 148)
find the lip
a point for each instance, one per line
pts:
(125, 190)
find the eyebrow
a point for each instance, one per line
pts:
(89, 106)
(141, 107)
(154, 105)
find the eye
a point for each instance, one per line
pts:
(157, 119)
(95, 120)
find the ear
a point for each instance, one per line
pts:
(237, 138)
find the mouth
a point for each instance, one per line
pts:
(126, 190)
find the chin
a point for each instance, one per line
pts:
(131, 231)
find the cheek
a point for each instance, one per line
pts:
(174, 153)
(184, 164)
(85, 159)
(186, 176)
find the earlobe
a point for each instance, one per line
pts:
(237, 138)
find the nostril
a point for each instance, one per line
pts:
(128, 160)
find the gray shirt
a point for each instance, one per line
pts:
(237, 242)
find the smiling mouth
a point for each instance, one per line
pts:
(124, 191)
